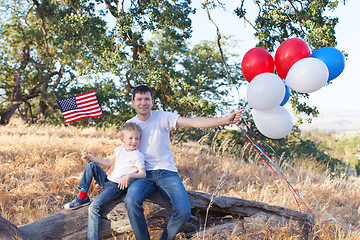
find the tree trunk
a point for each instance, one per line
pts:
(226, 211)
(17, 95)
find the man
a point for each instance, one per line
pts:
(161, 172)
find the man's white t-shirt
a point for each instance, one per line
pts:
(155, 140)
(126, 162)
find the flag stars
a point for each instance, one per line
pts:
(67, 104)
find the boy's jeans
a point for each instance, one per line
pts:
(169, 184)
(110, 192)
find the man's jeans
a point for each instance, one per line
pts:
(110, 192)
(169, 184)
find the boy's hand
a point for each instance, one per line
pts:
(99, 188)
(124, 182)
(86, 158)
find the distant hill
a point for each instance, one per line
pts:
(335, 119)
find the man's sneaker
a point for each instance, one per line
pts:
(76, 203)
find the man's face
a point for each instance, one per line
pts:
(143, 103)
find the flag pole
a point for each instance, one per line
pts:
(82, 152)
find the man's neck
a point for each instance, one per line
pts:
(144, 117)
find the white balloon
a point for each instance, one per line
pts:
(265, 91)
(307, 75)
(273, 123)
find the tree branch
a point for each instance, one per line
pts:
(244, 17)
(43, 28)
(111, 8)
(227, 68)
(34, 92)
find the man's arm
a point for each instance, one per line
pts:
(207, 122)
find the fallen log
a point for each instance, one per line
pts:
(9, 231)
(73, 224)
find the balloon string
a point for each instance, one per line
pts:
(331, 218)
(257, 147)
(290, 184)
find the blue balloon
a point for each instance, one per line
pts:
(333, 59)
(286, 97)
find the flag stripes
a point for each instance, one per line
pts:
(80, 106)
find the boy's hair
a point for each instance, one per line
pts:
(142, 89)
(131, 127)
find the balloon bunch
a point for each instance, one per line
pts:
(297, 69)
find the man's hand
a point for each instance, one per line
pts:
(124, 182)
(233, 117)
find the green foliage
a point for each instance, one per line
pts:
(195, 84)
(342, 145)
(55, 47)
(46, 46)
(279, 20)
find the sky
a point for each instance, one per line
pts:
(339, 102)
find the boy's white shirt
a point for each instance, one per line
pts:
(155, 140)
(126, 162)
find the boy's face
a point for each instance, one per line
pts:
(143, 103)
(131, 140)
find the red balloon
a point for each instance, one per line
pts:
(288, 53)
(256, 61)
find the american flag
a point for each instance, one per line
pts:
(84, 105)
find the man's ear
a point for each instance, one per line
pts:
(122, 139)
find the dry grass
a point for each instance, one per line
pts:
(40, 167)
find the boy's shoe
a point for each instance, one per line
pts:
(77, 203)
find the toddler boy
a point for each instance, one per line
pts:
(129, 165)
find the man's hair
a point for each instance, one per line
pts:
(130, 127)
(142, 89)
